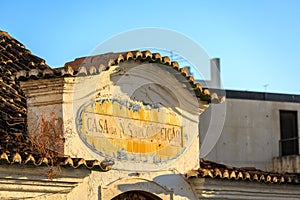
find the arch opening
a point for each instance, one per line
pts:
(136, 195)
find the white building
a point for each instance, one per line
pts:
(258, 129)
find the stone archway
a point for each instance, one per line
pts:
(136, 195)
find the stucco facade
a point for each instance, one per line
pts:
(251, 133)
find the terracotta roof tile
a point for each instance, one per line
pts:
(210, 169)
(14, 57)
(15, 149)
(96, 64)
(16, 158)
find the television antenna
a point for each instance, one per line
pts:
(266, 87)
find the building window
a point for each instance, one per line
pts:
(288, 133)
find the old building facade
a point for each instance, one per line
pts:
(125, 126)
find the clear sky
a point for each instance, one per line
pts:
(258, 41)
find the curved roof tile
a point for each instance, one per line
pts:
(91, 65)
(14, 57)
(214, 170)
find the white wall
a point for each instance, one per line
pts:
(251, 132)
(207, 188)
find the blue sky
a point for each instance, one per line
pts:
(258, 41)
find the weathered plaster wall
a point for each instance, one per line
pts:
(287, 163)
(44, 113)
(32, 182)
(108, 85)
(206, 188)
(164, 184)
(65, 96)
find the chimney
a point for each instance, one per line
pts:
(215, 73)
